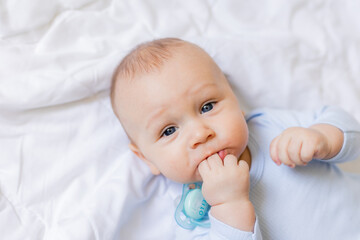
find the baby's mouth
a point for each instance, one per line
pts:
(222, 154)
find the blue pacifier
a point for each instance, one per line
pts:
(192, 210)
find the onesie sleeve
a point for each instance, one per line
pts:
(349, 126)
(220, 230)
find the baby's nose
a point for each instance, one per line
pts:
(200, 134)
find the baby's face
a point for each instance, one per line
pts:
(182, 114)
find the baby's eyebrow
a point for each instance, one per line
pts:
(162, 109)
(199, 88)
(156, 114)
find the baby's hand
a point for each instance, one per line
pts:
(298, 146)
(224, 181)
(226, 188)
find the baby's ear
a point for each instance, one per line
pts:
(154, 170)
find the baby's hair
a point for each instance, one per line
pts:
(144, 58)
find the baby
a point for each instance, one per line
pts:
(184, 122)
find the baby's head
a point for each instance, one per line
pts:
(177, 108)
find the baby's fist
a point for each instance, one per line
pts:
(224, 181)
(298, 146)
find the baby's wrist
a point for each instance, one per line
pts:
(334, 138)
(239, 214)
(242, 203)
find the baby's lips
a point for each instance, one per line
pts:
(222, 154)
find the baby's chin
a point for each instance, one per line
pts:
(197, 178)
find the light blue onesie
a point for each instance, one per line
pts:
(318, 201)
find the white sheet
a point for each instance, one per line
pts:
(65, 170)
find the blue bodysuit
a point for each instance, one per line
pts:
(317, 201)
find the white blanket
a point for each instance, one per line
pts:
(65, 169)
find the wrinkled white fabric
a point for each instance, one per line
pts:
(65, 170)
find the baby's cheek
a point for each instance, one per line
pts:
(175, 172)
(239, 140)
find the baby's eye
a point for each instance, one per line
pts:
(207, 107)
(168, 131)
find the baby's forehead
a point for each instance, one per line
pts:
(150, 57)
(149, 61)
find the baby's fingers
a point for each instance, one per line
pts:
(273, 151)
(279, 150)
(283, 153)
(294, 152)
(307, 152)
(230, 161)
(204, 169)
(214, 161)
(244, 166)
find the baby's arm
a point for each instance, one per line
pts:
(226, 188)
(298, 146)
